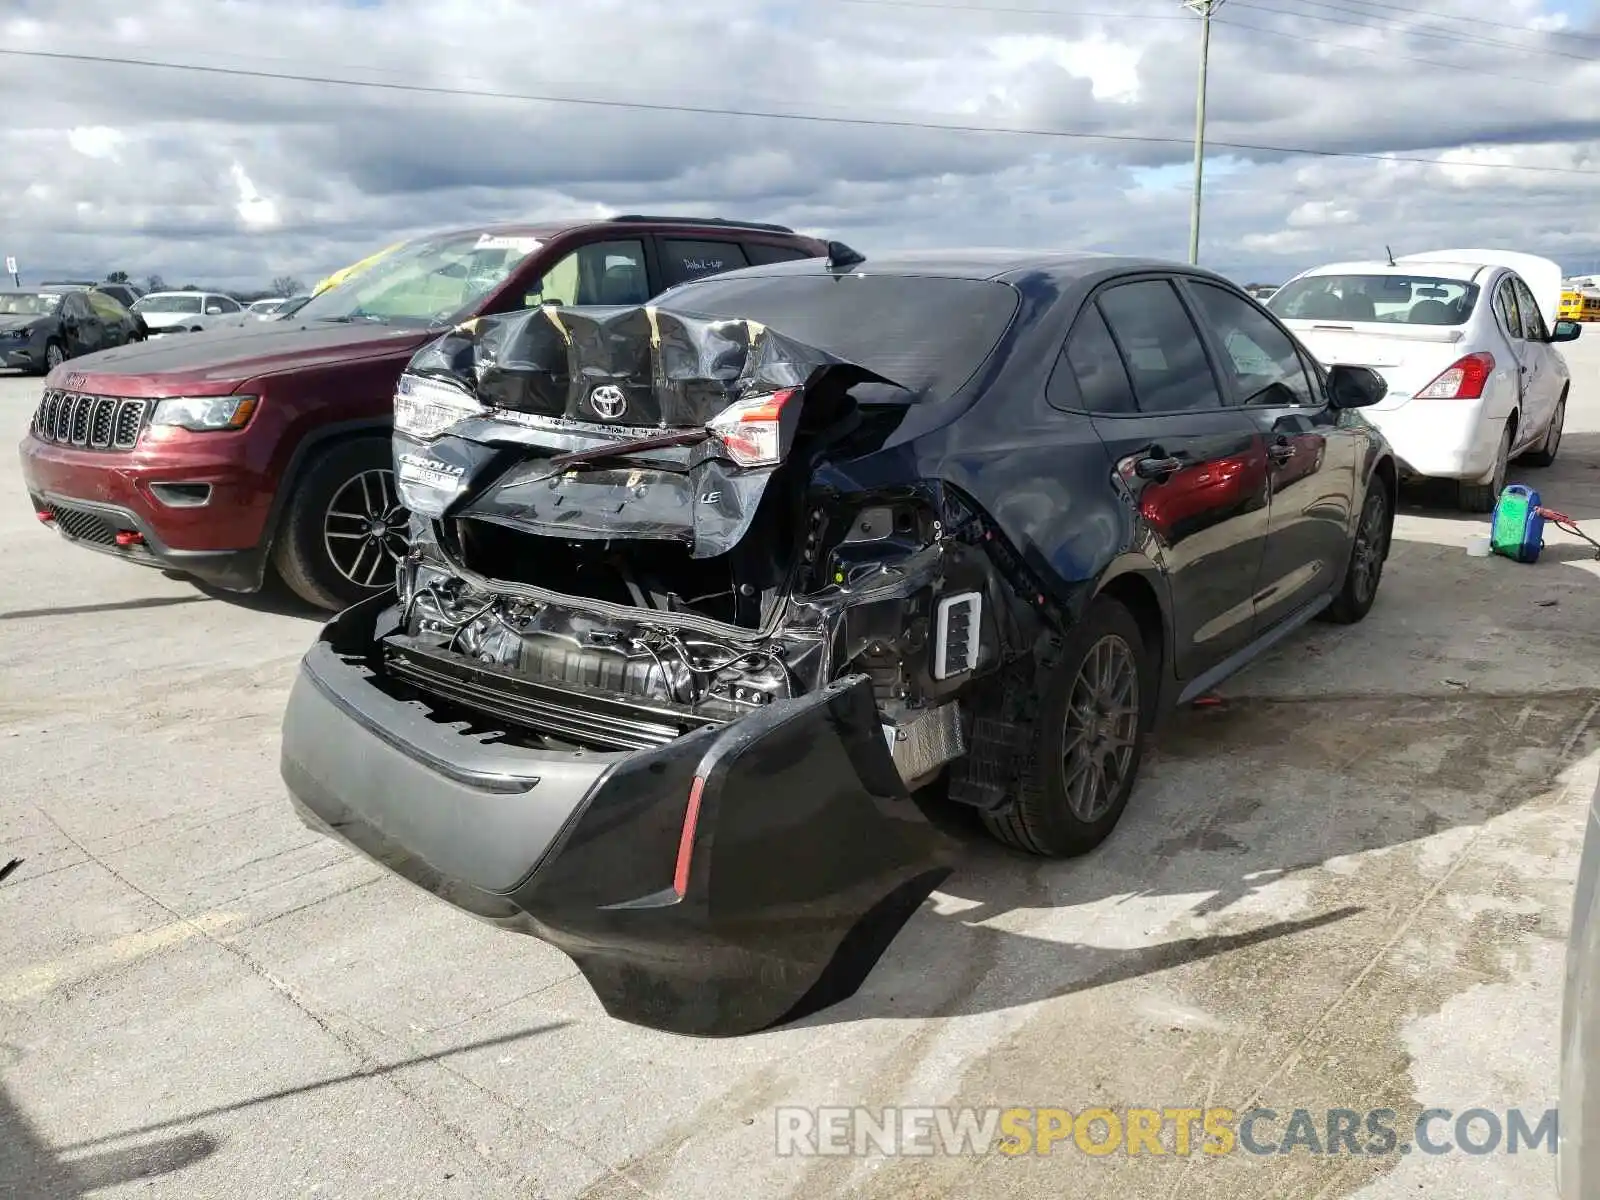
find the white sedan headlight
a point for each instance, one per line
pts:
(202, 414)
(424, 408)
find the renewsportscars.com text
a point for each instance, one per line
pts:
(1169, 1131)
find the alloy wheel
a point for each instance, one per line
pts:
(1102, 727)
(1371, 537)
(364, 530)
(54, 356)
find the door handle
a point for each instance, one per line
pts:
(1281, 451)
(1157, 467)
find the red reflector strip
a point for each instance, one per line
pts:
(691, 818)
(45, 515)
(127, 537)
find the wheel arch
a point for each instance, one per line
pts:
(312, 446)
(1141, 589)
(1387, 473)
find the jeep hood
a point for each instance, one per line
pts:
(217, 360)
(623, 422)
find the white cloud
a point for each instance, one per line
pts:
(255, 210)
(96, 141)
(1317, 214)
(232, 180)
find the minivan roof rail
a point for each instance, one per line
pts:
(716, 222)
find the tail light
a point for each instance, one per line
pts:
(1462, 380)
(691, 822)
(752, 430)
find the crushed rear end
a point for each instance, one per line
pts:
(655, 684)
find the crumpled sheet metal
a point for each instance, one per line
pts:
(637, 367)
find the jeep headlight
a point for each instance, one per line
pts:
(424, 408)
(203, 414)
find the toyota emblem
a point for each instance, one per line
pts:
(608, 401)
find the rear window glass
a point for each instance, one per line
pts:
(763, 254)
(929, 334)
(1386, 299)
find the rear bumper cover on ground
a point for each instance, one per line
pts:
(737, 878)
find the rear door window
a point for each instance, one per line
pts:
(1161, 347)
(1260, 358)
(683, 260)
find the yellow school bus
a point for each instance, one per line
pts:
(1571, 305)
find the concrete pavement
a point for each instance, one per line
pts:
(1346, 887)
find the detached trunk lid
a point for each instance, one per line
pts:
(618, 422)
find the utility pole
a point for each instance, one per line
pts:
(1205, 8)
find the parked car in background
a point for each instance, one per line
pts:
(1261, 291)
(124, 294)
(269, 445)
(275, 307)
(44, 327)
(1466, 340)
(187, 312)
(700, 594)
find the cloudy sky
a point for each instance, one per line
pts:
(230, 177)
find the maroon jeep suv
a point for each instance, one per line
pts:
(223, 454)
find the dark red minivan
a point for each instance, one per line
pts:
(223, 454)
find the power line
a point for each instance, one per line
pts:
(1439, 16)
(1386, 55)
(1031, 12)
(760, 114)
(1412, 31)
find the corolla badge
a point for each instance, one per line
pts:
(608, 401)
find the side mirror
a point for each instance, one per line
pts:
(1356, 387)
(1566, 331)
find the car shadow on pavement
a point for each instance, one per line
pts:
(274, 598)
(1234, 800)
(72, 610)
(1570, 485)
(97, 1169)
(30, 1170)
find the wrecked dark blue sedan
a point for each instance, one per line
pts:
(708, 602)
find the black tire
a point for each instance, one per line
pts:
(341, 480)
(1368, 550)
(1545, 455)
(1049, 817)
(1481, 497)
(55, 353)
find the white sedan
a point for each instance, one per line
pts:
(188, 312)
(1467, 342)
